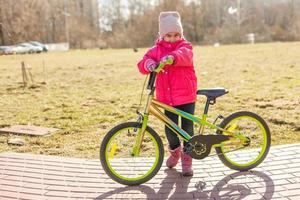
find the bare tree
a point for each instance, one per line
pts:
(134, 23)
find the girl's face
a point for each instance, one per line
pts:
(172, 37)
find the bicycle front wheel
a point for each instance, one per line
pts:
(250, 144)
(119, 161)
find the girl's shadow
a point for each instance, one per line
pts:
(222, 190)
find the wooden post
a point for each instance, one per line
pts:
(26, 69)
(44, 72)
(29, 72)
(24, 74)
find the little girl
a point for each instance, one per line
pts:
(176, 85)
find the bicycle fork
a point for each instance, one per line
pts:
(140, 136)
(143, 119)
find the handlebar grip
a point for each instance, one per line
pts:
(169, 61)
(157, 70)
(161, 65)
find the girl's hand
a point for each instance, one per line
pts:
(151, 65)
(167, 57)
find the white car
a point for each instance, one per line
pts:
(32, 48)
(36, 43)
(6, 50)
(20, 49)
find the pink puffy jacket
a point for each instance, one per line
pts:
(177, 84)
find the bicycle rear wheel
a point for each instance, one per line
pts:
(120, 163)
(250, 144)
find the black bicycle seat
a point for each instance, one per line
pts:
(212, 92)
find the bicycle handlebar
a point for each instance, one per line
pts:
(162, 64)
(157, 70)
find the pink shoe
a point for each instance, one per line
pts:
(174, 157)
(186, 163)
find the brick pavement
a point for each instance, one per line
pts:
(28, 176)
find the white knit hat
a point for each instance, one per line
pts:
(169, 22)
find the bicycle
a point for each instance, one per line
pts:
(242, 139)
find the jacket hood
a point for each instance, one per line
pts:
(166, 44)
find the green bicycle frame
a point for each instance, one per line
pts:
(152, 107)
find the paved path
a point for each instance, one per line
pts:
(28, 176)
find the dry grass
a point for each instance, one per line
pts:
(90, 91)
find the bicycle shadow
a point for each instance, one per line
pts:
(222, 190)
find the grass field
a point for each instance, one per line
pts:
(90, 91)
